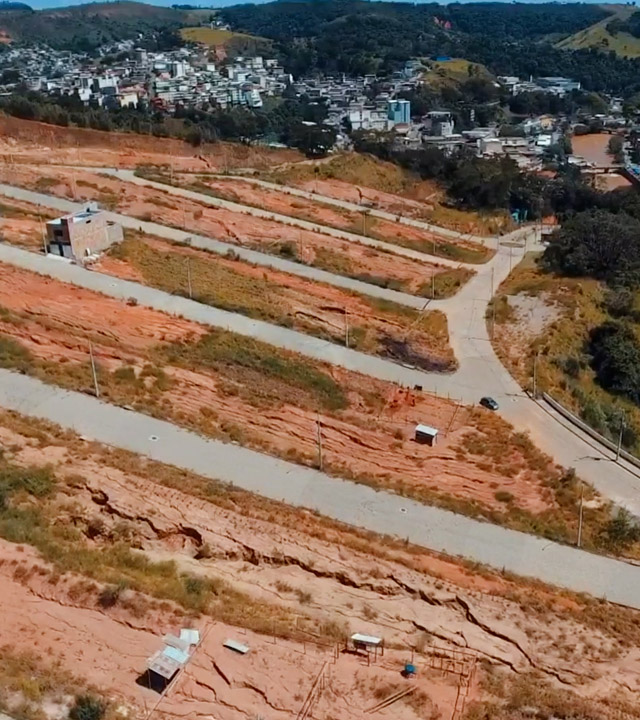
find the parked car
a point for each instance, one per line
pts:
(489, 403)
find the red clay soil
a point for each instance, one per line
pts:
(286, 558)
(371, 439)
(27, 139)
(330, 253)
(244, 192)
(109, 648)
(308, 306)
(22, 223)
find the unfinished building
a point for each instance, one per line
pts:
(79, 235)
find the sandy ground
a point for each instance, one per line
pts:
(34, 141)
(593, 148)
(532, 314)
(414, 602)
(291, 300)
(371, 439)
(268, 236)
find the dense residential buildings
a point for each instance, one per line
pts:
(124, 75)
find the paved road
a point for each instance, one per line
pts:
(490, 241)
(222, 248)
(480, 371)
(342, 500)
(130, 176)
(177, 305)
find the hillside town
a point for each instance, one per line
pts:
(125, 75)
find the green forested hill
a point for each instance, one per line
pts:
(355, 36)
(83, 27)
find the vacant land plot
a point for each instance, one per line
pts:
(371, 265)
(243, 191)
(241, 390)
(364, 179)
(107, 564)
(374, 326)
(27, 140)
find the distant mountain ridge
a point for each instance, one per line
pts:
(83, 27)
(7, 5)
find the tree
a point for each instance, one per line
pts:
(615, 357)
(615, 147)
(312, 140)
(598, 244)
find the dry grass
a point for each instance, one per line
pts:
(563, 368)
(31, 514)
(370, 172)
(535, 598)
(230, 284)
(531, 695)
(28, 682)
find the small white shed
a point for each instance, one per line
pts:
(426, 435)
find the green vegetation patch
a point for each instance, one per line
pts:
(28, 514)
(262, 370)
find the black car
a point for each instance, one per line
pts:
(489, 403)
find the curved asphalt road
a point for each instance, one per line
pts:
(342, 500)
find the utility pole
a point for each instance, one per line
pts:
(535, 375)
(346, 326)
(580, 515)
(93, 371)
(44, 235)
(319, 434)
(433, 287)
(493, 305)
(189, 277)
(620, 438)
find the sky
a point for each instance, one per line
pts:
(41, 4)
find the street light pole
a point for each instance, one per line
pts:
(93, 371)
(319, 437)
(620, 438)
(189, 277)
(346, 327)
(580, 516)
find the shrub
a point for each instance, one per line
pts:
(87, 707)
(621, 531)
(109, 596)
(504, 496)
